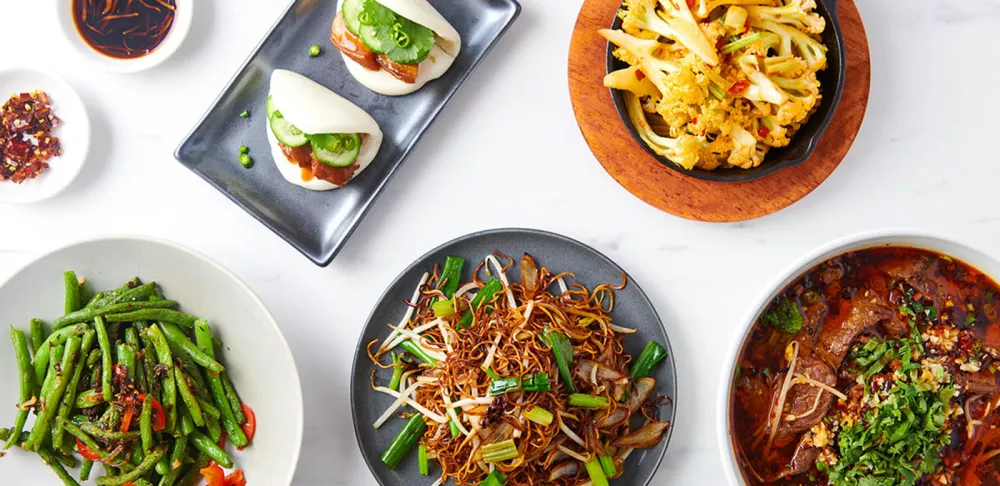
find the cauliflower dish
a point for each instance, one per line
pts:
(714, 84)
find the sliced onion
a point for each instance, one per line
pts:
(574, 455)
(588, 370)
(529, 275)
(640, 393)
(566, 469)
(646, 436)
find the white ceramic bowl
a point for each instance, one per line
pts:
(74, 135)
(893, 237)
(182, 24)
(259, 361)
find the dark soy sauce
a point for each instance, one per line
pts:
(124, 29)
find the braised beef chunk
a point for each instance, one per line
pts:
(865, 310)
(801, 398)
(913, 271)
(981, 382)
(803, 459)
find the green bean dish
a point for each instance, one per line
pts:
(126, 380)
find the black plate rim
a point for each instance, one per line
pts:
(358, 216)
(828, 8)
(538, 233)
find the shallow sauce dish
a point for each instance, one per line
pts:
(802, 143)
(258, 358)
(557, 253)
(172, 40)
(960, 255)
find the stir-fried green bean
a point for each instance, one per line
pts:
(203, 335)
(189, 399)
(69, 396)
(72, 291)
(86, 315)
(149, 400)
(50, 401)
(27, 378)
(155, 314)
(38, 334)
(105, 345)
(169, 397)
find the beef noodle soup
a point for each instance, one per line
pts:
(877, 367)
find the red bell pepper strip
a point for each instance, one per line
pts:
(214, 475)
(127, 419)
(235, 478)
(87, 452)
(250, 426)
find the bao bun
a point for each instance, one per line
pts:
(448, 45)
(314, 109)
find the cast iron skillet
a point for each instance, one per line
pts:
(803, 143)
(558, 253)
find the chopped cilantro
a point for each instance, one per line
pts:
(970, 320)
(897, 442)
(784, 316)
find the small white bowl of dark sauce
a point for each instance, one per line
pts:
(125, 36)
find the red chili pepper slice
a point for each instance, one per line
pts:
(739, 87)
(214, 475)
(692, 3)
(87, 452)
(159, 415)
(763, 132)
(127, 419)
(250, 426)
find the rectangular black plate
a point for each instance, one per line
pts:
(319, 223)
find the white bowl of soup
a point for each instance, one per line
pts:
(874, 358)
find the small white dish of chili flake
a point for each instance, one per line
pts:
(44, 135)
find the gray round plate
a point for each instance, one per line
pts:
(557, 253)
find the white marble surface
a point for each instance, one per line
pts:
(926, 157)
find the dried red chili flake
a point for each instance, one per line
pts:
(26, 140)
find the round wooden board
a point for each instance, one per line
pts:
(685, 196)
